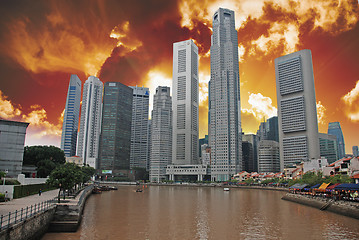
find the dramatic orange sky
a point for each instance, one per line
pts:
(43, 42)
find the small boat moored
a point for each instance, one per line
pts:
(225, 189)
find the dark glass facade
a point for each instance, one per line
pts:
(115, 139)
(335, 129)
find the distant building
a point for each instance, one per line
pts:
(161, 134)
(149, 144)
(247, 155)
(328, 147)
(314, 165)
(71, 117)
(335, 129)
(297, 112)
(201, 142)
(344, 166)
(268, 130)
(12, 139)
(251, 163)
(139, 127)
(206, 156)
(185, 103)
(268, 156)
(355, 151)
(225, 106)
(75, 159)
(90, 124)
(115, 139)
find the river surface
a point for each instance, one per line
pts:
(166, 212)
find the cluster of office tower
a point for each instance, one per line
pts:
(117, 135)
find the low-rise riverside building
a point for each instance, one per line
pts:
(348, 166)
(176, 172)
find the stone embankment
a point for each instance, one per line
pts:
(221, 185)
(346, 208)
(68, 214)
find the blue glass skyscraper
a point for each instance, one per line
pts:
(71, 117)
(335, 129)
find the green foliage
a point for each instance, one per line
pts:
(88, 172)
(11, 182)
(2, 174)
(45, 167)
(2, 197)
(68, 175)
(35, 154)
(249, 180)
(26, 190)
(312, 179)
(339, 178)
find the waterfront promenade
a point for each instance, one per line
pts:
(17, 204)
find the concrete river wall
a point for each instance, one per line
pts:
(60, 217)
(346, 208)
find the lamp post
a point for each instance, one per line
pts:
(58, 197)
(3, 188)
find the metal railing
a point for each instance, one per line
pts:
(17, 216)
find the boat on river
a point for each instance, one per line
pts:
(225, 189)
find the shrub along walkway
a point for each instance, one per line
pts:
(17, 204)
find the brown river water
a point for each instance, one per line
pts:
(181, 212)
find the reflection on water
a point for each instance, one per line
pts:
(163, 212)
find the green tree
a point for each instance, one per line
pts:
(34, 154)
(68, 175)
(45, 167)
(45, 158)
(88, 172)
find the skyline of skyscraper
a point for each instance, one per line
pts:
(224, 108)
(335, 129)
(115, 139)
(161, 134)
(268, 156)
(90, 123)
(297, 112)
(71, 117)
(185, 103)
(139, 127)
(328, 147)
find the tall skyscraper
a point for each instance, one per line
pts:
(268, 156)
(90, 124)
(115, 140)
(161, 134)
(297, 112)
(250, 161)
(225, 108)
(335, 129)
(185, 103)
(268, 130)
(71, 117)
(328, 147)
(139, 127)
(355, 151)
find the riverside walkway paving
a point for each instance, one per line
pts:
(17, 204)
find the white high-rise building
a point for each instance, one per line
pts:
(71, 117)
(90, 124)
(224, 106)
(161, 134)
(185, 103)
(139, 127)
(297, 112)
